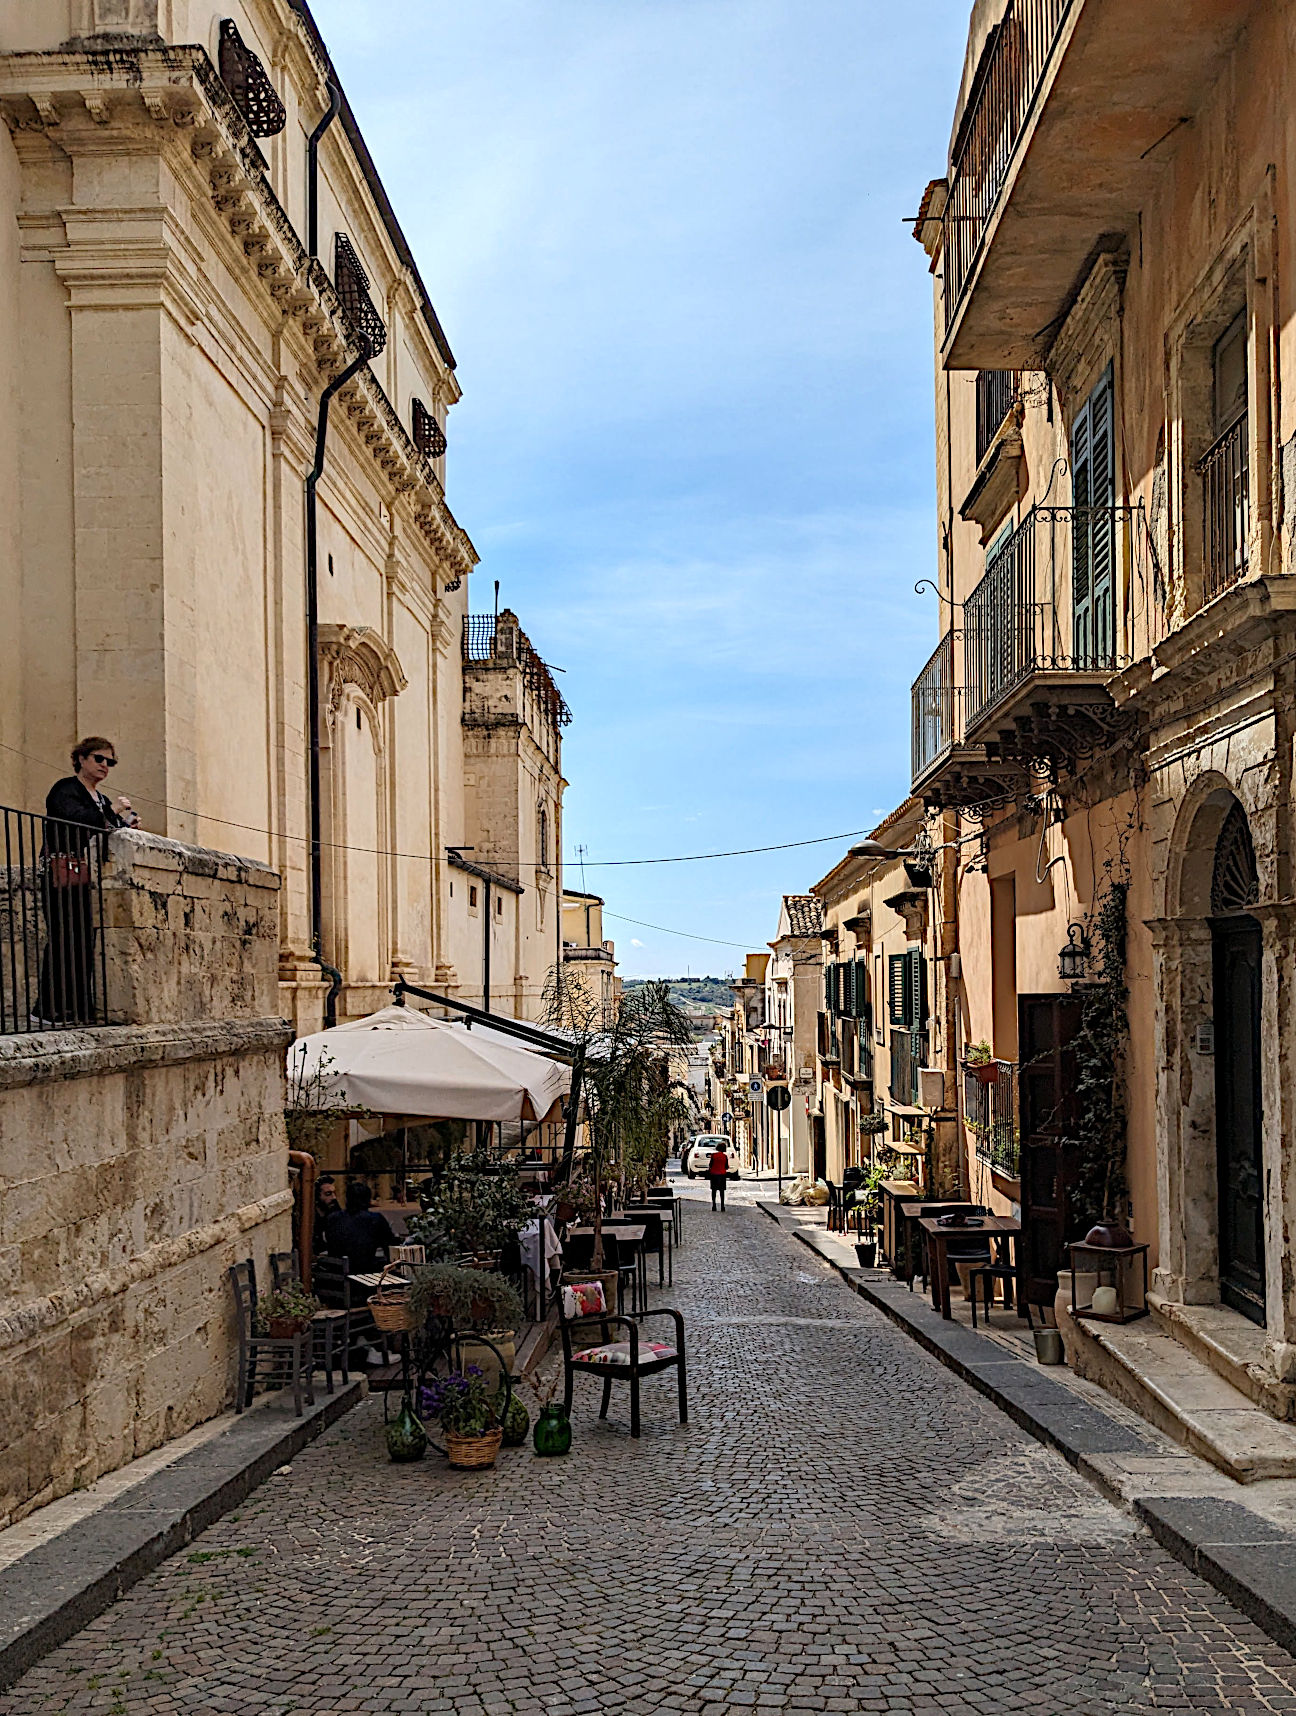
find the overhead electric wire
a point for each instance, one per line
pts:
(436, 858)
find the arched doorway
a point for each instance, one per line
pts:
(1237, 954)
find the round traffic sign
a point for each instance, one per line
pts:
(755, 1086)
(778, 1096)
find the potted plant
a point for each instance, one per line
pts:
(476, 1207)
(468, 1298)
(868, 1202)
(980, 1061)
(466, 1407)
(285, 1312)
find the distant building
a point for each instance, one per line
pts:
(587, 958)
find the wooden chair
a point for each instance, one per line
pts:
(292, 1352)
(327, 1326)
(621, 1361)
(999, 1268)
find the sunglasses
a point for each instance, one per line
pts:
(107, 762)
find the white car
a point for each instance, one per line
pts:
(699, 1151)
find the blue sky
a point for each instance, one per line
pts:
(695, 443)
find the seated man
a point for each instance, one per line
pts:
(359, 1233)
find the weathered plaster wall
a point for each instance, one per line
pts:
(137, 1162)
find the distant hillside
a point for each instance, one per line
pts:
(710, 992)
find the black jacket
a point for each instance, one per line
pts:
(70, 800)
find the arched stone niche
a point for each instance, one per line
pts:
(1187, 1160)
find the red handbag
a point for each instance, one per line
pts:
(69, 870)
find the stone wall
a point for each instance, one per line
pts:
(137, 1162)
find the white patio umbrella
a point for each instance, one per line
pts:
(400, 1061)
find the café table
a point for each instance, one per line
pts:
(632, 1236)
(909, 1236)
(975, 1227)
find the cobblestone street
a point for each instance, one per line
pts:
(844, 1526)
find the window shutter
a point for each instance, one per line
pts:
(1093, 494)
(861, 989)
(916, 989)
(848, 989)
(897, 989)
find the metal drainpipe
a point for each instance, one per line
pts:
(486, 952)
(312, 167)
(312, 685)
(312, 577)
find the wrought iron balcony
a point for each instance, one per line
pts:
(1225, 473)
(494, 638)
(990, 1114)
(1046, 605)
(999, 104)
(245, 78)
(932, 700)
(428, 435)
(908, 1054)
(352, 286)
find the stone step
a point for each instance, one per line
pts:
(1231, 1346)
(1183, 1395)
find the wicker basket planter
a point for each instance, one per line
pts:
(470, 1453)
(389, 1304)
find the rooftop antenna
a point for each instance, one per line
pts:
(497, 602)
(580, 853)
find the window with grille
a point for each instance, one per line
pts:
(428, 435)
(352, 286)
(245, 78)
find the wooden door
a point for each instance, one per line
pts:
(1237, 950)
(1046, 1076)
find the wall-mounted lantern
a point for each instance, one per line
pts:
(1073, 961)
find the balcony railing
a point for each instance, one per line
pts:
(995, 392)
(1226, 483)
(908, 1054)
(933, 709)
(487, 637)
(990, 1114)
(1046, 604)
(52, 970)
(352, 285)
(999, 104)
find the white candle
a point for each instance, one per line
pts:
(1105, 1301)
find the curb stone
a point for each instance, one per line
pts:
(1248, 1558)
(58, 1587)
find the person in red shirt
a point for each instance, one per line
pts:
(718, 1174)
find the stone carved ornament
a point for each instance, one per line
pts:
(360, 656)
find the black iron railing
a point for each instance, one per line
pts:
(1046, 604)
(996, 390)
(486, 638)
(932, 700)
(1226, 483)
(428, 435)
(990, 1113)
(352, 286)
(999, 104)
(52, 970)
(245, 78)
(908, 1054)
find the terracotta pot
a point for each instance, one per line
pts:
(565, 1212)
(986, 1071)
(1110, 1237)
(284, 1328)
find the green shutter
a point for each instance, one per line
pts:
(897, 989)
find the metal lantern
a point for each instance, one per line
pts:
(1073, 961)
(1120, 1276)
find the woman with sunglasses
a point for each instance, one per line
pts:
(76, 811)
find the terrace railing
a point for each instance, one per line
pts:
(932, 704)
(999, 105)
(52, 963)
(995, 391)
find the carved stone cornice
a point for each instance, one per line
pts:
(142, 97)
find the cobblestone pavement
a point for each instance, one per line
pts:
(844, 1526)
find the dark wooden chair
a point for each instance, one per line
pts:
(658, 1238)
(627, 1361)
(286, 1353)
(999, 1268)
(332, 1284)
(328, 1326)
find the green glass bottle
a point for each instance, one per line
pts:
(553, 1430)
(406, 1437)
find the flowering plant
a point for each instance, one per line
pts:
(462, 1401)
